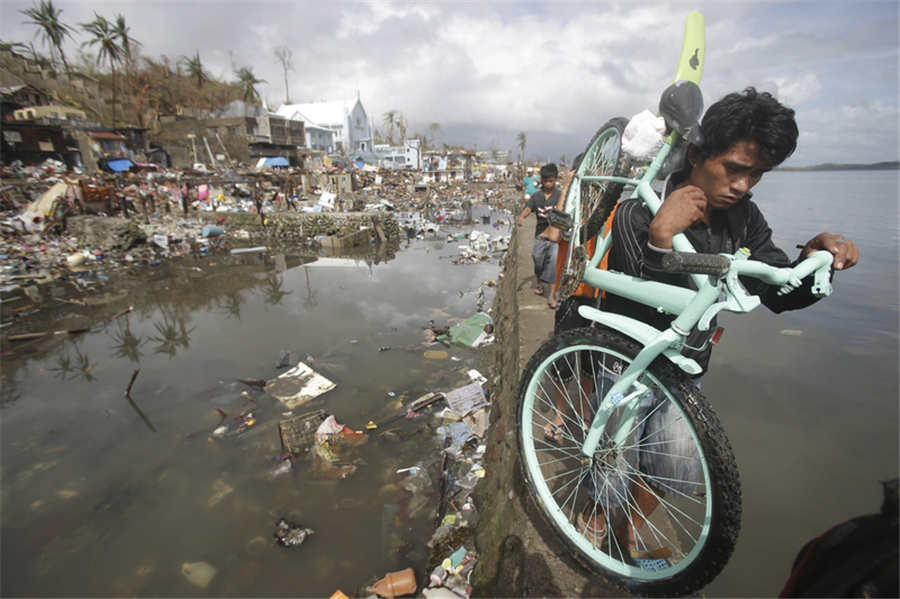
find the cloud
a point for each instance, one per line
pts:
(557, 70)
(795, 90)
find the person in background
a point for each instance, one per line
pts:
(530, 185)
(544, 251)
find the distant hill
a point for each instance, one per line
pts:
(832, 166)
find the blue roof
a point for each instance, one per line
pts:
(120, 165)
(276, 161)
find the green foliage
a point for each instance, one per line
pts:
(194, 68)
(105, 37)
(247, 83)
(53, 31)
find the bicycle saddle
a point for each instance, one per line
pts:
(681, 105)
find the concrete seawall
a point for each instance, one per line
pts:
(518, 556)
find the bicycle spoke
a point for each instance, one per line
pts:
(638, 479)
(654, 530)
(573, 495)
(663, 453)
(566, 456)
(565, 486)
(555, 476)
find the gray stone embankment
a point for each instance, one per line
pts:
(517, 557)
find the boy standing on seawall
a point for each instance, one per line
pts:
(544, 251)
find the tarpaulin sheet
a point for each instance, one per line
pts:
(273, 161)
(120, 165)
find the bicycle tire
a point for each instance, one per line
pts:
(706, 525)
(602, 156)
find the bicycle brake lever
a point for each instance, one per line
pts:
(821, 286)
(710, 313)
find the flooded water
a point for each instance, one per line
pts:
(810, 398)
(106, 496)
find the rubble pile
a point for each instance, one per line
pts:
(53, 220)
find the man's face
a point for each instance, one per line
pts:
(547, 184)
(727, 177)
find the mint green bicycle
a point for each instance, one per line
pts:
(639, 449)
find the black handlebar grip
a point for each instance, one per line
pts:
(701, 264)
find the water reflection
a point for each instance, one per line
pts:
(126, 344)
(310, 301)
(9, 391)
(230, 304)
(78, 367)
(172, 333)
(273, 292)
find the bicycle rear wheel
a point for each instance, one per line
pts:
(592, 201)
(675, 455)
(603, 156)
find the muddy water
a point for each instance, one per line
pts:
(102, 496)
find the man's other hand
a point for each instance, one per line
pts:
(681, 208)
(846, 253)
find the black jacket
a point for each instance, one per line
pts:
(742, 225)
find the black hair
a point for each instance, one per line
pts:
(549, 170)
(750, 115)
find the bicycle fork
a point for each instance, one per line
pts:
(627, 392)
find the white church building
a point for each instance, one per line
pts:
(335, 126)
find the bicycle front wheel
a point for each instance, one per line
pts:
(663, 480)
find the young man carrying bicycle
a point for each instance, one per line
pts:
(744, 136)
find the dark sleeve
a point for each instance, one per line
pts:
(762, 248)
(631, 253)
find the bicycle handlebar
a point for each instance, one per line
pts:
(787, 278)
(703, 264)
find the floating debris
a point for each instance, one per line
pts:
(199, 574)
(291, 535)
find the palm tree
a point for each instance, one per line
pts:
(53, 31)
(194, 68)
(107, 41)
(522, 139)
(126, 42)
(285, 57)
(401, 127)
(435, 130)
(390, 119)
(247, 83)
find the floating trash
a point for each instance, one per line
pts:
(298, 385)
(291, 535)
(199, 574)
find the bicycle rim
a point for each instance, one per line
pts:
(601, 158)
(684, 522)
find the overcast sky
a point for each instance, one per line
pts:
(557, 70)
